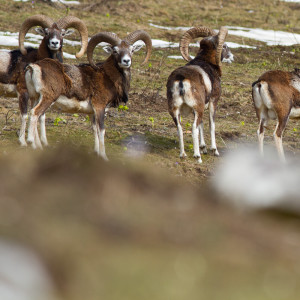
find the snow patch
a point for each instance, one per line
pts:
(294, 1)
(270, 37)
(33, 40)
(61, 1)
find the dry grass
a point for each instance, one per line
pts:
(142, 228)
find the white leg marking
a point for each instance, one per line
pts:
(212, 129)
(43, 130)
(22, 139)
(278, 143)
(101, 134)
(180, 135)
(31, 129)
(202, 141)
(37, 137)
(261, 137)
(195, 134)
(97, 147)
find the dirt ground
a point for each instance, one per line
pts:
(148, 225)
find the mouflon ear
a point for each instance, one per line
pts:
(108, 49)
(67, 32)
(137, 47)
(41, 31)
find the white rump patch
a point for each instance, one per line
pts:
(72, 105)
(33, 79)
(4, 61)
(187, 102)
(176, 96)
(256, 97)
(264, 92)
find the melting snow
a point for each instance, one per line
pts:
(33, 40)
(66, 1)
(230, 44)
(11, 39)
(270, 37)
(62, 1)
(169, 28)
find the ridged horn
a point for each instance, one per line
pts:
(79, 25)
(107, 37)
(221, 40)
(143, 36)
(36, 20)
(188, 36)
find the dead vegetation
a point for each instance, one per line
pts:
(147, 225)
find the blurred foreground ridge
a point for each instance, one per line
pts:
(250, 181)
(111, 231)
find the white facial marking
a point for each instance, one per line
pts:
(296, 84)
(125, 61)
(54, 43)
(229, 59)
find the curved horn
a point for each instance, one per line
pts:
(37, 20)
(74, 22)
(191, 34)
(221, 39)
(143, 36)
(97, 38)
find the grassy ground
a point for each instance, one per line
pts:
(132, 249)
